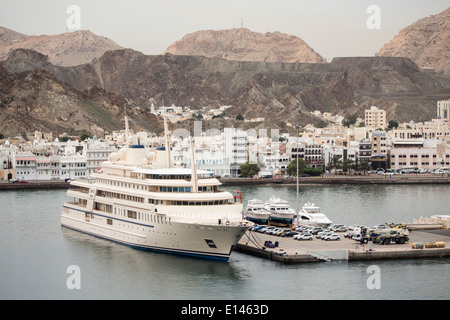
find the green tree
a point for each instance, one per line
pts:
(85, 135)
(335, 162)
(249, 169)
(313, 171)
(347, 164)
(64, 138)
(364, 166)
(240, 117)
(321, 124)
(351, 119)
(392, 124)
(292, 167)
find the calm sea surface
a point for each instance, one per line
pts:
(36, 252)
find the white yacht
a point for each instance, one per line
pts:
(280, 211)
(310, 215)
(257, 212)
(138, 198)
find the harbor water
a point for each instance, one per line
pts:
(38, 256)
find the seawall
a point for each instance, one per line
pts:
(34, 185)
(344, 179)
(324, 179)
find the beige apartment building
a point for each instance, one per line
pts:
(375, 118)
(420, 153)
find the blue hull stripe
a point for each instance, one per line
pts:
(197, 254)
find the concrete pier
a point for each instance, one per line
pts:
(301, 251)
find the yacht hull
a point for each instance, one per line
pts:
(259, 220)
(198, 240)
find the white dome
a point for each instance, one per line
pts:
(122, 153)
(113, 157)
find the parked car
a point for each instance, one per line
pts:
(316, 230)
(255, 227)
(268, 230)
(322, 234)
(289, 234)
(332, 236)
(261, 229)
(340, 229)
(303, 236)
(336, 227)
(277, 231)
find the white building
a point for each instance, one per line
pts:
(97, 152)
(25, 166)
(47, 168)
(276, 161)
(235, 149)
(73, 167)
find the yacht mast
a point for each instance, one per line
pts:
(167, 143)
(194, 168)
(127, 130)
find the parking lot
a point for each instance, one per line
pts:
(291, 246)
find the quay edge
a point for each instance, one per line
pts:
(34, 185)
(351, 254)
(343, 179)
(325, 179)
(290, 251)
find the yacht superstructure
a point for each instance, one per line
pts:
(140, 199)
(280, 211)
(310, 214)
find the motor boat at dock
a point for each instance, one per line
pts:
(311, 215)
(256, 212)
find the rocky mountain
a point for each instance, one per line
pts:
(426, 42)
(37, 100)
(245, 45)
(8, 37)
(66, 49)
(279, 92)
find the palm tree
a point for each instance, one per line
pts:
(347, 164)
(364, 166)
(335, 162)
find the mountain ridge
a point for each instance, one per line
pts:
(245, 45)
(65, 49)
(426, 42)
(278, 92)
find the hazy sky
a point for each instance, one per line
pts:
(333, 28)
